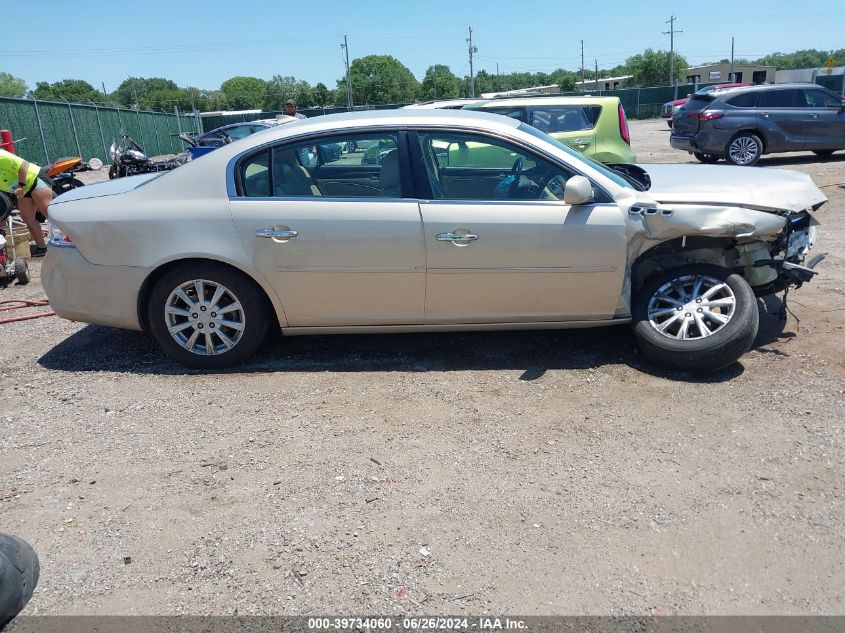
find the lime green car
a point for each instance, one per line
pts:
(593, 126)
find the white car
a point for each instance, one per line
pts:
(469, 221)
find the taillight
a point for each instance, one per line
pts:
(623, 125)
(707, 116)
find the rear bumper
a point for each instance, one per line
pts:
(81, 291)
(704, 141)
(619, 152)
(682, 142)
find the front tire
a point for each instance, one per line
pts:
(744, 149)
(696, 318)
(706, 158)
(208, 316)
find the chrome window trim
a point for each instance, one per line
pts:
(382, 199)
(231, 190)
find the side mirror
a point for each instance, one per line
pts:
(578, 190)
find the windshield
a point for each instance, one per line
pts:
(604, 171)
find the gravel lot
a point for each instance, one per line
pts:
(531, 473)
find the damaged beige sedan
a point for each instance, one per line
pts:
(400, 221)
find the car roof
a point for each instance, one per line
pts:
(239, 123)
(391, 118)
(447, 103)
(768, 87)
(530, 101)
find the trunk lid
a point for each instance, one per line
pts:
(108, 188)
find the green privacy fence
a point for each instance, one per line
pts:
(645, 103)
(51, 130)
(639, 103)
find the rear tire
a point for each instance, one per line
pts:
(744, 149)
(706, 158)
(221, 328)
(702, 352)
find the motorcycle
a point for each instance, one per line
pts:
(129, 159)
(62, 173)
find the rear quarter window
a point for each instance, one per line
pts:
(565, 118)
(697, 102)
(747, 100)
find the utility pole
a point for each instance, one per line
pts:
(582, 66)
(671, 33)
(472, 51)
(498, 83)
(731, 75)
(345, 47)
(597, 75)
(105, 94)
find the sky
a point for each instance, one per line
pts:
(204, 43)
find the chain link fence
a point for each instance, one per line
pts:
(47, 130)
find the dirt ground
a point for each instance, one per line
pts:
(531, 473)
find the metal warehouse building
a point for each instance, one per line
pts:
(722, 73)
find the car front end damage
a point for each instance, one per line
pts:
(764, 231)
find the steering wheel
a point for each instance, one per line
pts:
(516, 174)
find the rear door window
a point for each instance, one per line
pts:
(789, 98)
(565, 118)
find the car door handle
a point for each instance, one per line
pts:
(765, 115)
(456, 237)
(814, 116)
(276, 234)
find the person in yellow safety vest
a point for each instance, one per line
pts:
(34, 191)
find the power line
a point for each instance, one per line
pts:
(671, 33)
(472, 51)
(582, 65)
(345, 47)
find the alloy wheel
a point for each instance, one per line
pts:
(743, 150)
(204, 317)
(691, 307)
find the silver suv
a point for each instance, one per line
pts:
(742, 124)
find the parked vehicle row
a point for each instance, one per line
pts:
(467, 221)
(742, 124)
(670, 107)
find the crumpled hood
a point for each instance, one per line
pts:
(107, 188)
(750, 187)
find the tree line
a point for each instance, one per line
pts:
(375, 79)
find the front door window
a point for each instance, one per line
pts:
(464, 166)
